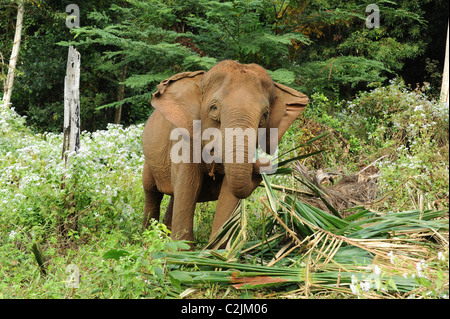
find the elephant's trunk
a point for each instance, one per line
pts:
(240, 179)
(238, 158)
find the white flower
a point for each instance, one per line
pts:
(420, 266)
(441, 256)
(365, 285)
(354, 289)
(12, 234)
(418, 108)
(377, 270)
(354, 285)
(391, 255)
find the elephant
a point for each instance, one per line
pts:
(229, 95)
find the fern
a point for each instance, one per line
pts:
(283, 76)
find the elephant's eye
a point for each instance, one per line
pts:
(264, 117)
(214, 112)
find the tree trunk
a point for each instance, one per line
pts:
(71, 129)
(14, 55)
(72, 103)
(445, 84)
(120, 96)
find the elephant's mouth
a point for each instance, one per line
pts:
(244, 178)
(262, 165)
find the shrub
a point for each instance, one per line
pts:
(399, 125)
(102, 189)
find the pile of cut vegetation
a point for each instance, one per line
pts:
(321, 240)
(305, 251)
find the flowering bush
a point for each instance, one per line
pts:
(97, 202)
(104, 178)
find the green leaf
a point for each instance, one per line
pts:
(297, 158)
(246, 295)
(283, 171)
(143, 80)
(178, 277)
(115, 254)
(182, 276)
(270, 193)
(424, 282)
(391, 282)
(39, 257)
(198, 62)
(310, 141)
(176, 245)
(283, 76)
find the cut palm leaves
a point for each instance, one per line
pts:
(230, 233)
(230, 230)
(201, 269)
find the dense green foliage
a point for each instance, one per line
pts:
(128, 46)
(402, 129)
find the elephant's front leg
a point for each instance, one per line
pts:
(187, 182)
(226, 203)
(152, 197)
(168, 214)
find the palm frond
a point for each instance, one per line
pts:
(231, 229)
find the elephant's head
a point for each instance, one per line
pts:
(231, 96)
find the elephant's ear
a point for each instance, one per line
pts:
(178, 98)
(286, 107)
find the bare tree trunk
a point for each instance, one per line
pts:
(120, 96)
(4, 80)
(121, 93)
(14, 55)
(445, 84)
(71, 129)
(72, 103)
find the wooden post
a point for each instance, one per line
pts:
(71, 130)
(444, 88)
(71, 127)
(14, 56)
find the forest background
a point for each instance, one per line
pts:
(128, 47)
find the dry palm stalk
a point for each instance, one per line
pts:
(380, 247)
(349, 191)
